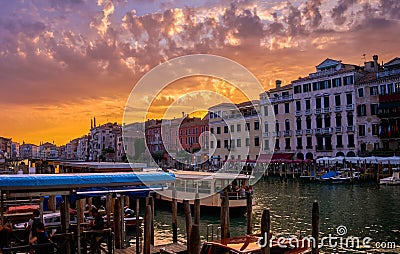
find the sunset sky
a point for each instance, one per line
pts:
(63, 62)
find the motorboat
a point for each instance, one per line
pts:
(392, 180)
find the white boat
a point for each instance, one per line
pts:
(49, 220)
(392, 180)
(208, 186)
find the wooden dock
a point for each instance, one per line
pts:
(165, 248)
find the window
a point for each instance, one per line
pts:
(287, 111)
(247, 126)
(239, 127)
(326, 101)
(336, 82)
(276, 109)
(256, 125)
(287, 143)
(383, 89)
(339, 141)
(266, 128)
(376, 146)
(361, 110)
(375, 129)
(226, 130)
(276, 126)
(298, 105)
(277, 144)
(297, 89)
(360, 92)
(351, 140)
(348, 80)
(298, 123)
(308, 104)
(299, 143)
(265, 110)
(247, 142)
(226, 143)
(337, 100)
(232, 128)
(373, 90)
(374, 109)
(319, 121)
(361, 130)
(287, 125)
(349, 98)
(309, 143)
(318, 102)
(238, 142)
(256, 141)
(390, 88)
(350, 119)
(307, 87)
(218, 143)
(327, 121)
(218, 130)
(308, 122)
(338, 120)
(266, 144)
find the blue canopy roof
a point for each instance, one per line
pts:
(65, 181)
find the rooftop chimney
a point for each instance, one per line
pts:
(375, 58)
(278, 83)
(94, 121)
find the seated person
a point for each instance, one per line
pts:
(98, 222)
(41, 237)
(128, 212)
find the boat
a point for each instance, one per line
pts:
(251, 244)
(340, 176)
(208, 186)
(392, 180)
(49, 220)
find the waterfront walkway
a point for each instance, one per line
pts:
(165, 248)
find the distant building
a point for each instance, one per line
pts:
(82, 149)
(48, 151)
(29, 151)
(153, 136)
(5, 147)
(15, 150)
(103, 142)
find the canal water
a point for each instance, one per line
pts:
(348, 212)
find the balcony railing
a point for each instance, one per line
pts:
(299, 132)
(307, 112)
(350, 107)
(326, 130)
(276, 134)
(350, 128)
(338, 129)
(338, 108)
(308, 131)
(281, 98)
(323, 148)
(287, 133)
(327, 110)
(297, 113)
(318, 111)
(265, 134)
(318, 131)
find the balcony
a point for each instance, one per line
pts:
(297, 113)
(338, 108)
(350, 107)
(350, 128)
(299, 132)
(318, 111)
(318, 131)
(323, 148)
(274, 99)
(287, 133)
(276, 134)
(326, 110)
(308, 131)
(327, 130)
(265, 134)
(338, 129)
(307, 112)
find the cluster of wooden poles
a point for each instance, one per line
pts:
(193, 226)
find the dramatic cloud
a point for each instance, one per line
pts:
(83, 53)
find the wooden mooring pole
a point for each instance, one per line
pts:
(147, 229)
(194, 245)
(265, 229)
(315, 227)
(188, 219)
(137, 228)
(174, 217)
(225, 233)
(150, 201)
(117, 224)
(249, 213)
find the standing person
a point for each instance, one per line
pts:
(32, 223)
(98, 222)
(41, 237)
